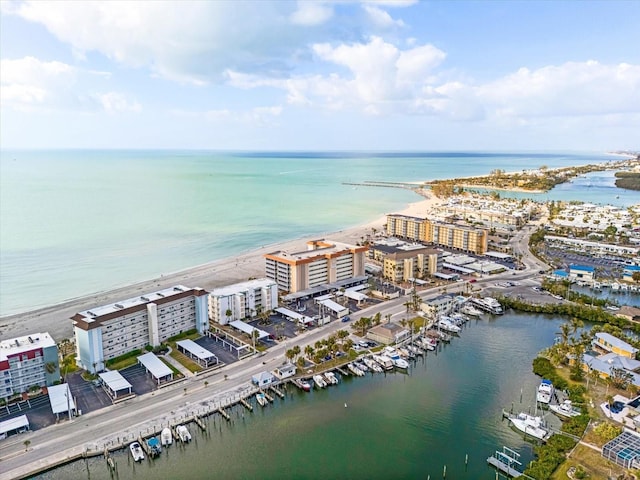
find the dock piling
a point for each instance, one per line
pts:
(246, 404)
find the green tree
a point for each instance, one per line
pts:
(289, 354)
(26, 444)
(308, 351)
(50, 367)
(636, 276)
(228, 314)
(296, 350)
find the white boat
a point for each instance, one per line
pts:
(448, 326)
(565, 409)
(355, 370)
(488, 304)
(530, 425)
(470, 310)
(362, 366)
(183, 434)
(416, 350)
(136, 452)
(429, 343)
(545, 391)
(458, 319)
(261, 398)
(372, 364)
(166, 438)
(331, 378)
(385, 362)
(400, 363)
(406, 353)
(319, 381)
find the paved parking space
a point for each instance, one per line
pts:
(88, 396)
(220, 349)
(141, 381)
(38, 411)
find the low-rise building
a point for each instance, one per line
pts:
(109, 331)
(404, 262)
(28, 361)
(628, 271)
(582, 272)
(438, 305)
(242, 300)
(285, 371)
(387, 333)
(609, 343)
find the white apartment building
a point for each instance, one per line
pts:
(242, 300)
(28, 361)
(109, 331)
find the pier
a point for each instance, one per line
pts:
(268, 397)
(198, 421)
(246, 404)
(223, 413)
(276, 391)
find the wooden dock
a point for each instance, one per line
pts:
(198, 421)
(267, 396)
(145, 447)
(343, 372)
(246, 404)
(276, 391)
(223, 413)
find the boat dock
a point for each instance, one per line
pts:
(246, 404)
(276, 391)
(506, 461)
(198, 421)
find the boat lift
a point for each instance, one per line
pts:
(506, 461)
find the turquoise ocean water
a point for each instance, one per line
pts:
(77, 222)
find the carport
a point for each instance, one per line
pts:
(248, 329)
(155, 367)
(336, 308)
(61, 400)
(115, 383)
(13, 424)
(357, 296)
(293, 316)
(194, 351)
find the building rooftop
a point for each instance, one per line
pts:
(242, 287)
(582, 268)
(317, 248)
(15, 346)
(160, 295)
(615, 342)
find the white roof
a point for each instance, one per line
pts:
(27, 343)
(243, 287)
(156, 366)
(457, 268)
(114, 380)
(295, 315)
(499, 255)
(60, 398)
(355, 295)
(331, 305)
(196, 350)
(14, 424)
(248, 329)
(135, 301)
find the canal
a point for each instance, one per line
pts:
(445, 412)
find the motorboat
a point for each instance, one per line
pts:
(470, 310)
(319, 381)
(261, 398)
(154, 447)
(183, 433)
(448, 326)
(488, 304)
(331, 378)
(372, 364)
(136, 452)
(385, 362)
(405, 353)
(531, 425)
(362, 366)
(355, 370)
(429, 343)
(400, 363)
(565, 409)
(306, 386)
(166, 438)
(545, 391)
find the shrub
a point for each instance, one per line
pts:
(607, 431)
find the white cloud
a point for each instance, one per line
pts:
(114, 102)
(31, 84)
(573, 88)
(380, 17)
(258, 116)
(311, 13)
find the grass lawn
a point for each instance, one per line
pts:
(176, 372)
(185, 361)
(591, 461)
(124, 363)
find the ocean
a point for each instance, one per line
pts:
(75, 222)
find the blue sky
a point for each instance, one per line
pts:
(323, 75)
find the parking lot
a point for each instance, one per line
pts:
(37, 409)
(141, 381)
(609, 267)
(220, 349)
(88, 395)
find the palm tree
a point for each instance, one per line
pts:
(289, 354)
(26, 444)
(342, 334)
(228, 314)
(347, 345)
(308, 351)
(254, 337)
(296, 350)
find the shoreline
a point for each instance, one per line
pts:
(56, 318)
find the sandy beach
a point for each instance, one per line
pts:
(55, 319)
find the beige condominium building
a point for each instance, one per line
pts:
(466, 239)
(405, 262)
(323, 262)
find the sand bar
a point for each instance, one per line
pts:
(55, 319)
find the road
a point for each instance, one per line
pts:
(108, 426)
